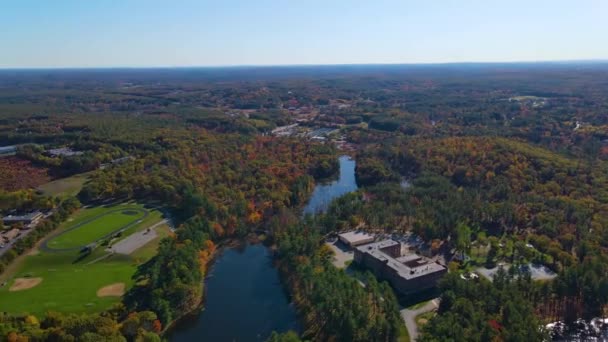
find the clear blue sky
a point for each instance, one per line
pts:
(105, 33)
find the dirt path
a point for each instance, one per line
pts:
(409, 317)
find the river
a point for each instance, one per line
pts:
(325, 193)
(244, 299)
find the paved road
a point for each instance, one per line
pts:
(136, 240)
(9, 245)
(409, 317)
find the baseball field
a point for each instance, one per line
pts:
(77, 268)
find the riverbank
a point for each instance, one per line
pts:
(229, 243)
(321, 196)
(242, 282)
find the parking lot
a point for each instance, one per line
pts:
(343, 256)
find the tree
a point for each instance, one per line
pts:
(463, 238)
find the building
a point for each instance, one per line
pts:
(406, 273)
(30, 219)
(117, 161)
(356, 238)
(63, 152)
(6, 150)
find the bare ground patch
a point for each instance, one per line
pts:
(21, 284)
(112, 290)
(33, 251)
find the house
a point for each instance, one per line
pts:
(406, 273)
(356, 238)
(29, 219)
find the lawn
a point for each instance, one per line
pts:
(65, 286)
(69, 186)
(68, 282)
(91, 229)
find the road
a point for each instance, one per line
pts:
(9, 245)
(136, 240)
(409, 317)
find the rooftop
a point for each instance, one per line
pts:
(24, 217)
(64, 151)
(356, 236)
(408, 266)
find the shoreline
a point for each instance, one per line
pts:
(251, 238)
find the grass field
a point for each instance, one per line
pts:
(69, 186)
(69, 282)
(79, 234)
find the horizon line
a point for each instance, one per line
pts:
(228, 66)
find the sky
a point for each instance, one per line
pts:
(155, 33)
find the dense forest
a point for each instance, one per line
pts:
(501, 163)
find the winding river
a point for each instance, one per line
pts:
(325, 193)
(244, 299)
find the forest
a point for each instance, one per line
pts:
(501, 163)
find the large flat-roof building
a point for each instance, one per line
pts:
(356, 238)
(406, 273)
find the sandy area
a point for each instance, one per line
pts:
(21, 284)
(113, 290)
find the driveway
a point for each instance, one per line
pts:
(409, 317)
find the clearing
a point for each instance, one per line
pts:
(71, 281)
(69, 186)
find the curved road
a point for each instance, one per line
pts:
(409, 317)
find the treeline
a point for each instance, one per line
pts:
(514, 308)
(170, 284)
(504, 186)
(333, 305)
(480, 310)
(114, 325)
(93, 155)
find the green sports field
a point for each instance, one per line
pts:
(95, 228)
(69, 282)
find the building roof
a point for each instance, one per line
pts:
(25, 217)
(4, 149)
(64, 151)
(409, 266)
(355, 237)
